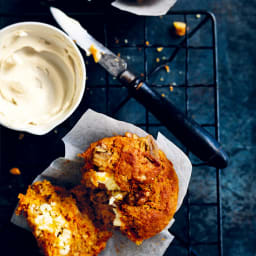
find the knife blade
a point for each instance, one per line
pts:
(190, 133)
(108, 60)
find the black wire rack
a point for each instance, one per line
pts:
(162, 63)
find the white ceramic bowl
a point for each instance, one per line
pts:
(56, 37)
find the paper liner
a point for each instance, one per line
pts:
(66, 172)
(146, 8)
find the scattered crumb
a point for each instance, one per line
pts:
(147, 43)
(167, 68)
(15, 171)
(55, 131)
(14, 102)
(163, 239)
(180, 28)
(157, 60)
(171, 88)
(164, 58)
(126, 41)
(159, 49)
(119, 54)
(161, 79)
(163, 95)
(74, 41)
(80, 155)
(67, 162)
(117, 249)
(21, 136)
(32, 123)
(116, 41)
(174, 83)
(95, 53)
(142, 74)
(198, 16)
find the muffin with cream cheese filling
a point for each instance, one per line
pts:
(59, 226)
(131, 185)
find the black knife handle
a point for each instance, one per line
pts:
(190, 133)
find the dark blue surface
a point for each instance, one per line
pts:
(236, 22)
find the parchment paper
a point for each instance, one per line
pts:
(66, 172)
(146, 8)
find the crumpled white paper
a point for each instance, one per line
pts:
(145, 7)
(66, 172)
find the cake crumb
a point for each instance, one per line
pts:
(95, 53)
(161, 79)
(163, 95)
(21, 136)
(15, 171)
(171, 88)
(147, 43)
(157, 60)
(180, 28)
(159, 49)
(167, 68)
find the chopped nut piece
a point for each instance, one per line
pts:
(15, 171)
(95, 53)
(159, 49)
(157, 60)
(163, 95)
(180, 28)
(167, 68)
(147, 43)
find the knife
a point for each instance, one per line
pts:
(190, 133)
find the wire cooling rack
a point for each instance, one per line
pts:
(183, 69)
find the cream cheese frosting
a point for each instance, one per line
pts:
(38, 78)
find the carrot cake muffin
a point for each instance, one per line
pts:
(57, 223)
(131, 185)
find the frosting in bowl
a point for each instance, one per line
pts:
(40, 76)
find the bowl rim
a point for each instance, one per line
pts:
(39, 130)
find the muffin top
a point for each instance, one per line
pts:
(131, 185)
